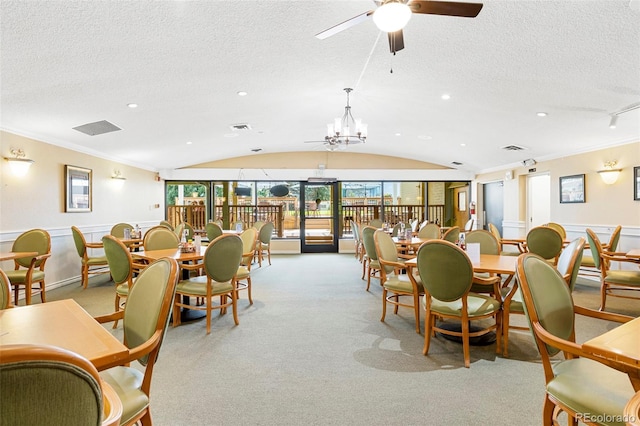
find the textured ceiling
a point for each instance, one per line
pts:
(65, 64)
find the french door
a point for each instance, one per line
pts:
(318, 217)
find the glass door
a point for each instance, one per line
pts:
(319, 213)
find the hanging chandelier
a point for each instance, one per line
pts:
(345, 130)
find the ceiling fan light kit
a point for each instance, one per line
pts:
(392, 16)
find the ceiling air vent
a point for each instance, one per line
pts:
(514, 148)
(456, 163)
(97, 128)
(241, 126)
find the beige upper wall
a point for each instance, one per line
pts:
(37, 199)
(605, 204)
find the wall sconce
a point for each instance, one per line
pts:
(610, 175)
(18, 164)
(117, 175)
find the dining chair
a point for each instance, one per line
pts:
(588, 266)
(258, 224)
(221, 262)
(179, 231)
(117, 230)
(396, 285)
(568, 264)
(5, 291)
(166, 224)
(48, 385)
(213, 230)
(414, 225)
(469, 225)
(30, 270)
(249, 239)
(447, 276)
(546, 242)
(264, 242)
(582, 385)
(429, 231)
(557, 227)
(370, 264)
(496, 233)
(160, 238)
(122, 268)
(144, 321)
(189, 234)
(452, 234)
(376, 223)
(484, 282)
(90, 265)
(357, 237)
(397, 227)
(613, 283)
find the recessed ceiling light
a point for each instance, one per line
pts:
(189, 142)
(463, 144)
(242, 93)
(446, 96)
(541, 114)
(398, 134)
(132, 105)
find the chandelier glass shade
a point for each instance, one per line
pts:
(345, 130)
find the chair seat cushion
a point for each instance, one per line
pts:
(631, 278)
(587, 261)
(122, 289)
(586, 386)
(126, 381)
(197, 286)
(402, 284)
(477, 305)
(19, 276)
(374, 264)
(242, 273)
(98, 260)
(516, 304)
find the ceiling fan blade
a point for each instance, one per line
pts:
(396, 41)
(344, 25)
(448, 8)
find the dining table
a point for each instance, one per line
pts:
(62, 323)
(623, 346)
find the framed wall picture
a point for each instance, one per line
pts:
(77, 189)
(572, 189)
(636, 183)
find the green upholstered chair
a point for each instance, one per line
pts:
(557, 227)
(396, 228)
(144, 321)
(190, 234)
(47, 385)
(117, 230)
(582, 383)
(221, 262)
(5, 291)
(568, 265)
(370, 264)
(616, 283)
(376, 223)
(166, 224)
(588, 266)
(30, 270)
(179, 230)
(447, 275)
(258, 224)
(122, 268)
(357, 237)
(395, 285)
(213, 230)
(496, 233)
(249, 239)
(484, 282)
(160, 238)
(452, 234)
(546, 242)
(430, 231)
(263, 245)
(90, 265)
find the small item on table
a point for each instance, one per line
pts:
(187, 247)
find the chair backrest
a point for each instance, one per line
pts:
(445, 270)
(118, 229)
(119, 259)
(222, 257)
(386, 250)
(615, 238)
(355, 229)
(569, 260)
(559, 228)
(596, 248)
(189, 229)
(488, 243)
(179, 230)
(213, 230)
(369, 243)
(166, 224)
(148, 305)
(258, 224)
(48, 385)
(544, 241)
(79, 241)
(266, 232)
(547, 302)
(414, 225)
(376, 223)
(452, 234)
(469, 225)
(249, 237)
(494, 230)
(423, 224)
(37, 240)
(5, 290)
(430, 230)
(159, 238)
(396, 228)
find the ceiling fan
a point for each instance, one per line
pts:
(392, 15)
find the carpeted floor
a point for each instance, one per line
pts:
(312, 350)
